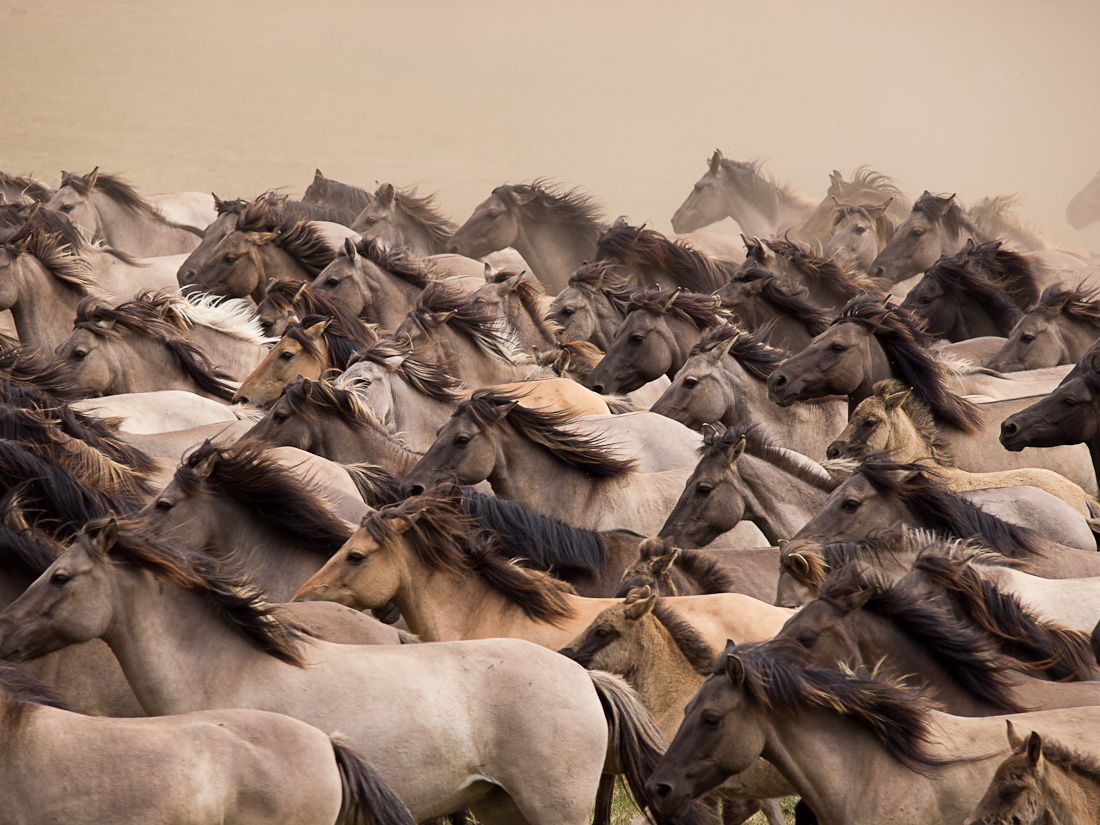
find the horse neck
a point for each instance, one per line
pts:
(553, 251)
(139, 235)
(664, 679)
(174, 647)
(45, 309)
(876, 367)
(476, 367)
(350, 445)
(1068, 796)
(905, 443)
(973, 319)
(143, 364)
(776, 501)
(522, 468)
(756, 220)
(530, 334)
(234, 355)
(788, 331)
(276, 264)
(608, 320)
(1076, 337)
(414, 236)
(391, 298)
(417, 414)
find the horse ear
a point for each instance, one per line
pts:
(735, 670)
(799, 564)
(754, 287)
(402, 523)
(858, 599)
(736, 450)
(261, 238)
(716, 161)
(501, 410)
(92, 178)
(635, 610)
(512, 282)
(217, 201)
(638, 594)
(650, 548)
(662, 564)
(878, 210)
(1014, 740)
(307, 388)
(488, 272)
(895, 400)
(1034, 748)
(205, 467)
(746, 241)
(713, 430)
(438, 319)
(386, 194)
(318, 178)
(105, 536)
(317, 330)
(351, 250)
(946, 204)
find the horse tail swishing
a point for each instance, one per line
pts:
(635, 744)
(367, 799)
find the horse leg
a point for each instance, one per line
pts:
(771, 810)
(497, 808)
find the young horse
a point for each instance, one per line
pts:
(399, 218)
(109, 210)
(654, 339)
(593, 304)
(1058, 329)
(189, 637)
(1040, 782)
(824, 730)
(239, 767)
(268, 244)
(520, 303)
(426, 558)
(724, 381)
(735, 189)
(743, 475)
(859, 232)
(553, 229)
(759, 299)
(895, 421)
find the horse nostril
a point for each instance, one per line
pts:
(597, 388)
(833, 451)
(414, 490)
(878, 272)
(1008, 428)
(662, 790)
(451, 248)
(779, 380)
(240, 399)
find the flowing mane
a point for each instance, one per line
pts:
(607, 278)
(445, 540)
(58, 255)
(296, 236)
(25, 550)
(687, 639)
(884, 224)
(351, 200)
(424, 212)
(998, 278)
(232, 316)
(432, 377)
(966, 652)
(531, 293)
(701, 311)
(248, 475)
(637, 246)
(995, 218)
(865, 181)
(920, 489)
(843, 284)
(541, 201)
(341, 343)
(918, 412)
(786, 300)
(777, 679)
(1081, 303)
(290, 208)
(399, 262)
(906, 346)
(750, 349)
(749, 174)
(443, 303)
(548, 544)
(758, 445)
(28, 365)
(124, 195)
(285, 297)
(35, 190)
(1059, 652)
(142, 319)
(945, 210)
(237, 602)
(493, 408)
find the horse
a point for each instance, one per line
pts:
(654, 339)
(859, 232)
(1084, 207)
(820, 728)
(827, 285)
(866, 188)
(593, 304)
(724, 381)
(24, 189)
(1057, 329)
(995, 216)
(554, 229)
(287, 301)
(880, 493)
(400, 218)
(350, 200)
(492, 437)
(895, 421)
(663, 657)
(742, 474)
(422, 555)
(979, 291)
(575, 360)
(759, 298)
(310, 348)
(520, 303)
(108, 209)
(738, 190)
(386, 699)
(266, 766)
(871, 342)
(268, 243)
(1040, 782)
(936, 226)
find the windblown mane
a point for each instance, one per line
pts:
(232, 316)
(788, 301)
(999, 279)
(542, 201)
(707, 575)
(749, 174)
(35, 190)
(463, 315)
(750, 349)
(607, 278)
(284, 297)
(493, 408)
(122, 194)
(575, 359)
(966, 652)
(922, 492)
(25, 550)
(351, 200)
(290, 208)
(1081, 303)
(825, 271)
(637, 246)
(377, 486)
(920, 415)
(778, 681)
(865, 181)
(432, 377)
(954, 220)
(757, 444)
(688, 640)
(399, 262)
(445, 540)
(341, 343)
(701, 311)
(29, 365)
(248, 475)
(996, 218)
(240, 605)
(884, 224)
(906, 346)
(298, 237)
(530, 293)
(566, 551)
(1060, 652)
(144, 319)
(426, 214)
(57, 255)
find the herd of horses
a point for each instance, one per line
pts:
(334, 511)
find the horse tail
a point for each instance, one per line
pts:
(619, 404)
(367, 799)
(635, 745)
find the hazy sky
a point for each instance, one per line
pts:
(625, 99)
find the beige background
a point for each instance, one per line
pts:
(626, 99)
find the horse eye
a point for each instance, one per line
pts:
(164, 505)
(636, 338)
(838, 348)
(279, 418)
(602, 633)
(691, 383)
(356, 558)
(1069, 402)
(332, 281)
(232, 259)
(703, 490)
(568, 311)
(1027, 338)
(859, 230)
(67, 208)
(60, 578)
(462, 440)
(711, 718)
(870, 422)
(850, 505)
(286, 355)
(79, 354)
(926, 299)
(916, 233)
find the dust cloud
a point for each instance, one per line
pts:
(625, 99)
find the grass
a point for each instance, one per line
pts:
(623, 809)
